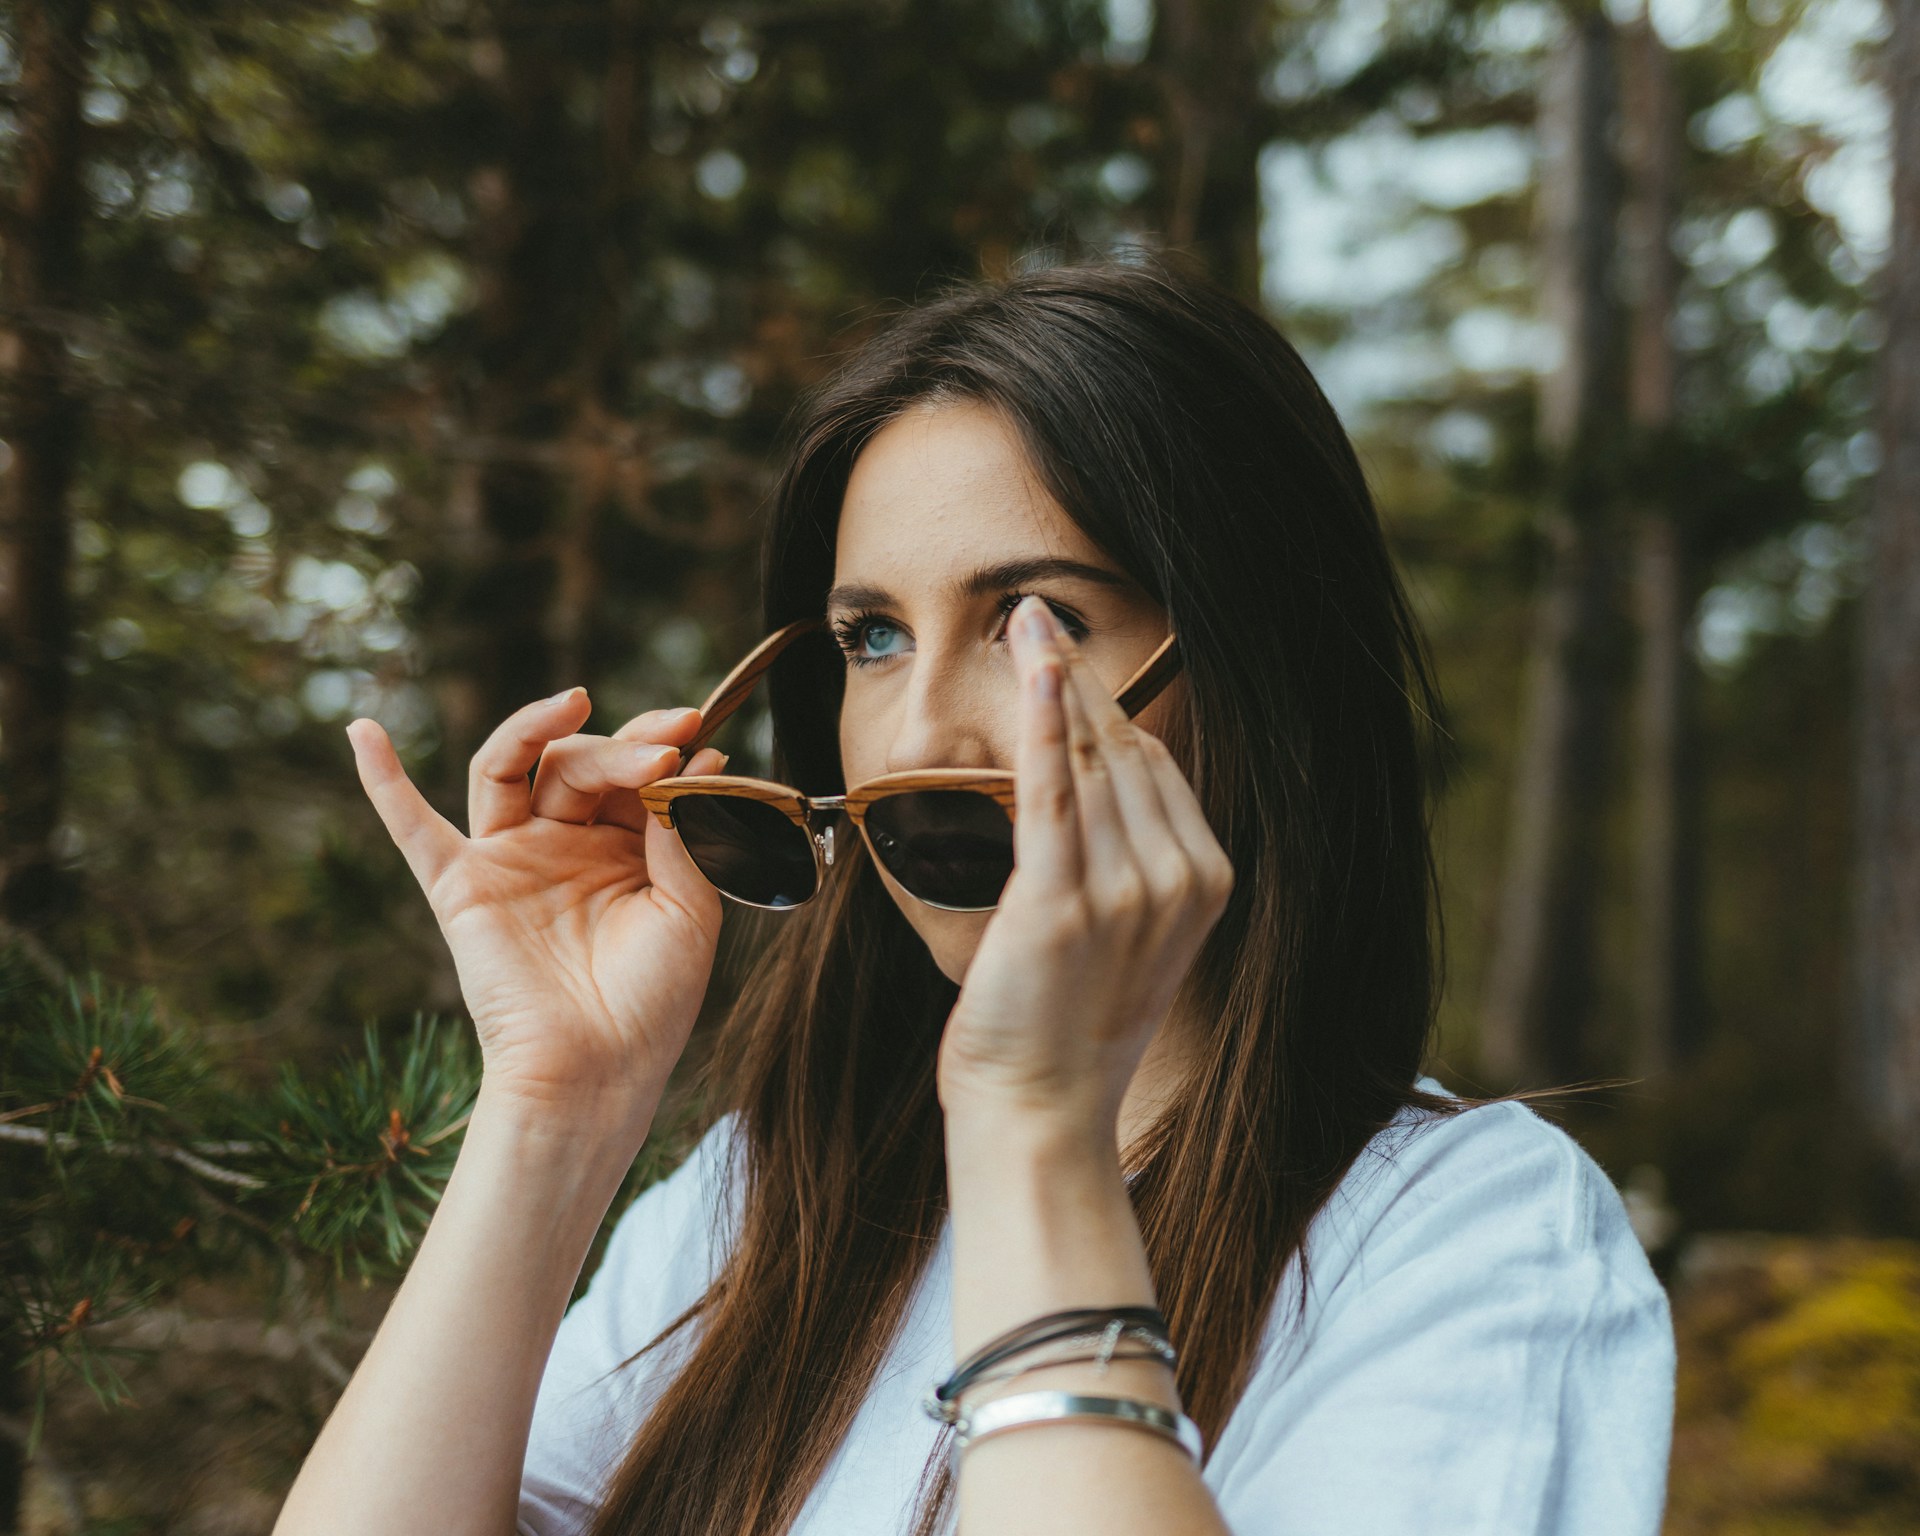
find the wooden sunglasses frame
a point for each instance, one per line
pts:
(800, 808)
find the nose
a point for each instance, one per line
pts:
(954, 711)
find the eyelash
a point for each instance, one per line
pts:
(848, 632)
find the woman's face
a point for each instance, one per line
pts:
(943, 529)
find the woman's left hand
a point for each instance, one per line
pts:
(1118, 878)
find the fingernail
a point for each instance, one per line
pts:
(564, 693)
(649, 755)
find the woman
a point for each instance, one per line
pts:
(1172, 1062)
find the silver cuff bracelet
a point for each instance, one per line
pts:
(1043, 1407)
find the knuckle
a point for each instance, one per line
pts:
(1066, 919)
(1056, 803)
(1219, 878)
(1174, 883)
(1125, 894)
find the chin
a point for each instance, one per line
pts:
(951, 937)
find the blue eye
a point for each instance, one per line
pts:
(865, 639)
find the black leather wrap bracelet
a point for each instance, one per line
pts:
(1053, 1326)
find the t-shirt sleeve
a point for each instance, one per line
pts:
(1490, 1353)
(660, 1257)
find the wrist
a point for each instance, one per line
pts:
(1037, 1124)
(609, 1126)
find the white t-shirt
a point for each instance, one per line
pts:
(1484, 1350)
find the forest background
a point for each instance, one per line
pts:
(416, 358)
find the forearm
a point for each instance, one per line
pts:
(470, 1330)
(1042, 1222)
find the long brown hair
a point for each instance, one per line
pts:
(1186, 436)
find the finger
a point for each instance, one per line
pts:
(624, 808)
(1135, 789)
(672, 872)
(1046, 823)
(498, 795)
(1113, 874)
(576, 774)
(425, 838)
(668, 725)
(1189, 822)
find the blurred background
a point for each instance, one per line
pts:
(417, 358)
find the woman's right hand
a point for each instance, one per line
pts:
(582, 934)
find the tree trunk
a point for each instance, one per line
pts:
(1666, 825)
(1212, 55)
(1539, 996)
(498, 629)
(1885, 1058)
(39, 287)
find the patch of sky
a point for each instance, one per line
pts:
(1462, 437)
(1346, 39)
(1124, 177)
(1490, 340)
(119, 637)
(1820, 77)
(1363, 369)
(109, 184)
(1731, 122)
(210, 486)
(422, 296)
(333, 584)
(720, 388)
(355, 37)
(1689, 23)
(169, 193)
(354, 513)
(1129, 28)
(727, 37)
(398, 583)
(1788, 585)
(1341, 231)
(372, 479)
(328, 694)
(103, 106)
(288, 201)
(720, 174)
(1519, 27)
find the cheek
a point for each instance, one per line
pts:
(951, 937)
(869, 724)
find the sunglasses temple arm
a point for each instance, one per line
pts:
(1155, 673)
(738, 683)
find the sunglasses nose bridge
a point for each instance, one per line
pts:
(821, 809)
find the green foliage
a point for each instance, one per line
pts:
(130, 1162)
(352, 1167)
(1799, 1393)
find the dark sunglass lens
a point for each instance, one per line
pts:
(949, 847)
(746, 848)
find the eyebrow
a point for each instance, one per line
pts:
(988, 578)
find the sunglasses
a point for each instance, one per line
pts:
(944, 834)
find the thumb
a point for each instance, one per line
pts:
(427, 840)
